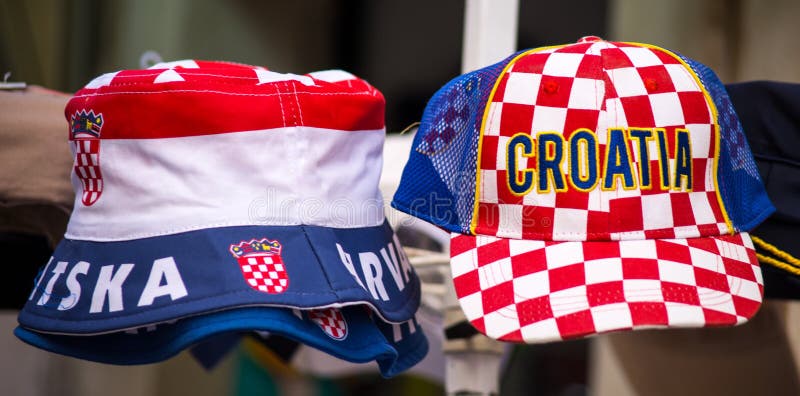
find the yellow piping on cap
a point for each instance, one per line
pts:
(791, 263)
(474, 222)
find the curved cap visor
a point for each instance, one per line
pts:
(358, 338)
(536, 291)
(99, 287)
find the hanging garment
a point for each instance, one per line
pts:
(770, 115)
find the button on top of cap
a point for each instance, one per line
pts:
(589, 39)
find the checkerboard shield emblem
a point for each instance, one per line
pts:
(85, 129)
(262, 265)
(331, 321)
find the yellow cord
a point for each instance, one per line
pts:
(410, 127)
(776, 251)
(777, 263)
(789, 264)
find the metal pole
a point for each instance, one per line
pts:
(472, 366)
(490, 32)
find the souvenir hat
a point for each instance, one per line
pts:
(590, 187)
(204, 186)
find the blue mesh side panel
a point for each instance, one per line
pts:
(742, 191)
(438, 183)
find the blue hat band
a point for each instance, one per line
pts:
(97, 287)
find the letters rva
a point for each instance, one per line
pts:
(164, 280)
(372, 266)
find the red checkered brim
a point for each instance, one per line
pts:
(536, 291)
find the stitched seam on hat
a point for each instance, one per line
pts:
(547, 237)
(222, 93)
(720, 296)
(173, 304)
(319, 260)
(186, 72)
(299, 112)
(173, 231)
(369, 342)
(206, 80)
(182, 73)
(283, 112)
(758, 219)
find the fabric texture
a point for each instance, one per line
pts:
(350, 333)
(213, 197)
(770, 116)
(613, 190)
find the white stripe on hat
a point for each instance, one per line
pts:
(101, 81)
(186, 63)
(168, 75)
(266, 76)
(332, 75)
(284, 176)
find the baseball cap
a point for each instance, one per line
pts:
(590, 187)
(203, 186)
(351, 333)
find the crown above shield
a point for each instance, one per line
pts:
(256, 247)
(86, 124)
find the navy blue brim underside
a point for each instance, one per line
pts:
(395, 347)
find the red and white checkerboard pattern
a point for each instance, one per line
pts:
(599, 85)
(536, 291)
(87, 169)
(264, 273)
(331, 321)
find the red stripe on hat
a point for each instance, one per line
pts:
(210, 106)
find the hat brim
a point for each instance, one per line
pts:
(537, 292)
(363, 340)
(100, 287)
